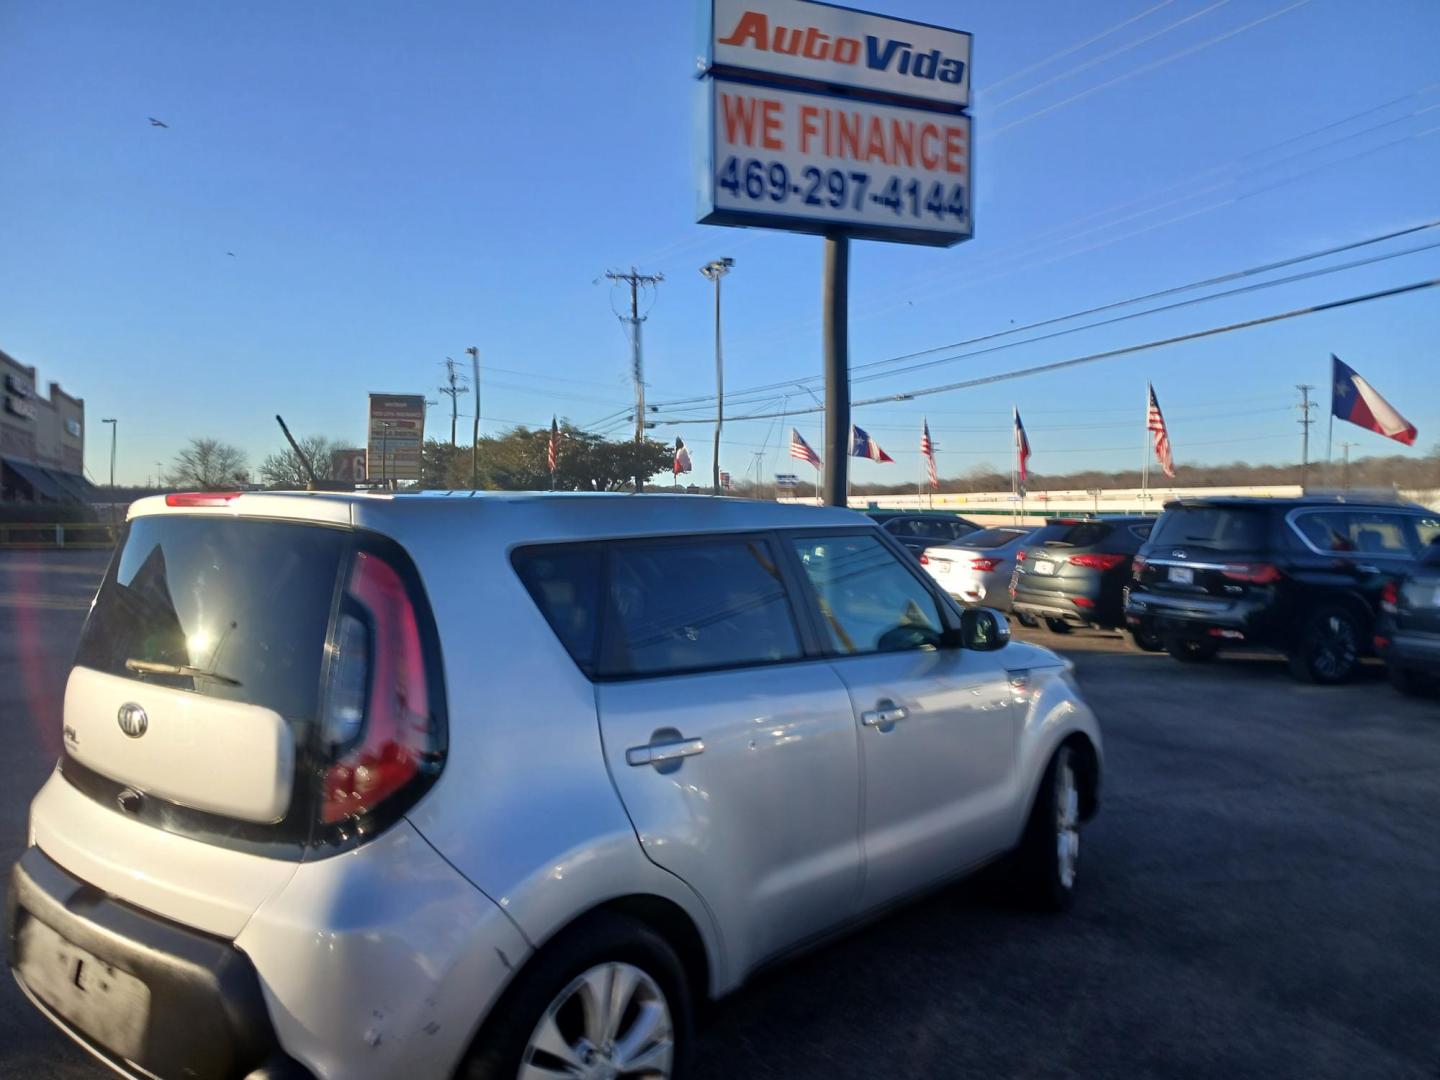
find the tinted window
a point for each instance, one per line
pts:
(564, 582)
(1364, 532)
(1085, 534)
(1432, 554)
(869, 602)
(993, 538)
(1142, 532)
(687, 606)
(1224, 528)
(245, 603)
(1428, 531)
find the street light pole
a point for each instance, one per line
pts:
(714, 271)
(114, 425)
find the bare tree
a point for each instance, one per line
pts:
(284, 469)
(208, 465)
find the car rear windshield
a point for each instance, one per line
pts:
(1075, 534)
(1223, 528)
(230, 609)
(993, 538)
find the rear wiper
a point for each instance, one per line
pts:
(152, 667)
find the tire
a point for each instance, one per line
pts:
(1146, 640)
(549, 992)
(1057, 626)
(1046, 863)
(1192, 650)
(1328, 652)
(1027, 620)
(1413, 683)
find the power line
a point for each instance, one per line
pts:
(1070, 50)
(1109, 354)
(1234, 275)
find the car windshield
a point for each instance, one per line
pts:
(1219, 528)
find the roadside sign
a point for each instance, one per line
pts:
(801, 41)
(786, 480)
(348, 466)
(396, 433)
(811, 163)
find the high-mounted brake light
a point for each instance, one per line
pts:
(391, 726)
(1254, 573)
(1390, 598)
(201, 498)
(985, 565)
(1097, 561)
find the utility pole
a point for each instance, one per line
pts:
(635, 280)
(835, 314)
(1305, 421)
(475, 431)
(714, 271)
(454, 387)
(1345, 468)
(114, 425)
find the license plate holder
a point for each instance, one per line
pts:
(1182, 575)
(105, 1004)
(1044, 567)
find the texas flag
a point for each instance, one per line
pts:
(862, 445)
(1354, 399)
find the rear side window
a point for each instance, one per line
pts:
(1222, 528)
(663, 607)
(1363, 532)
(690, 606)
(564, 582)
(230, 609)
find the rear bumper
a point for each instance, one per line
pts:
(1409, 651)
(1196, 617)
(147, 996)
(1076, 608)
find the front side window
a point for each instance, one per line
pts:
(1427, 530)
(692, 606)
(868, 601)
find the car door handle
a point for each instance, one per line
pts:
(659, 753)
(885, 712)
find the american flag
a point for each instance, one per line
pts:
(927, 448)
(1155, 421)
(682, 457)
(800, 449)
(1022, 452)
(554, 454)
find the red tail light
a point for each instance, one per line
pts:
(1137, 567)
(1084, 601)
(1020, 555)
(924, 559)
(1254, 573)
(985, 565)
(201, 498)
(378, 718)
(1097, 562)
(1390, 598)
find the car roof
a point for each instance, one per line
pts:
(1371, 500)
(518, 513)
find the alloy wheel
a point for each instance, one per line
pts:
(1067, 824)
(610, 1022)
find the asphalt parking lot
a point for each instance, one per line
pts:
(1258, 894)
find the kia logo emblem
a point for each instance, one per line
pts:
(133, 720)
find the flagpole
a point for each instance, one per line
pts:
(1330, 435)
(1145, 449)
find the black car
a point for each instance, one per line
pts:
(1304, 576)
(1407, 635)
(918, 530)
(1073, 572)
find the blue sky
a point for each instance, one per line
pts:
(398, 182)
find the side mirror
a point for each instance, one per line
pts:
(984, 629)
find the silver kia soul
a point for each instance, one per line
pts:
(502, 785)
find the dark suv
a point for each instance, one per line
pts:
(1304, 576)
(1408, 634)
(1073, 572)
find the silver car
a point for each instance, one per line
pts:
(398, 786)
(977, 569)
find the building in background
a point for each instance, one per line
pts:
(42, 440)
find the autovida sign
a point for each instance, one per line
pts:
(821, 119)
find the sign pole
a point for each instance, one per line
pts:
(835, 302)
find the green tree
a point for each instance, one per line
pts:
(518, 460)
